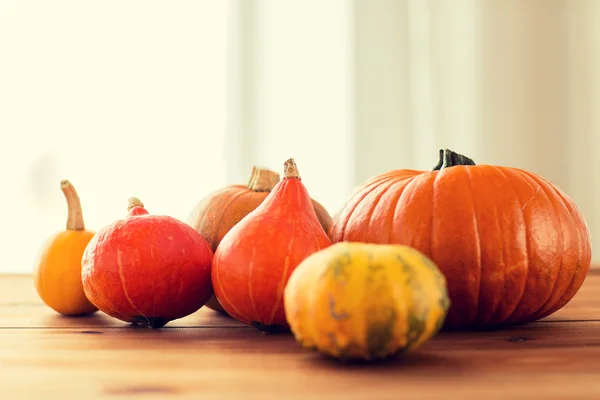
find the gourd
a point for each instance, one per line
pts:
(147, 269)
(256, 257)
(365, 301)
(513, 247)
(57, 268)
(221, 210)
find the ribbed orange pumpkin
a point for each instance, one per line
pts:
(221, 210)
(513, 247)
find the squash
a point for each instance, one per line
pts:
(256, 257)
(513, 247)
(147, 269)
(57, 268)
(221, 210)
(365, 301)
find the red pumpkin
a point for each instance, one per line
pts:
(147, 269)
(219, 211)
(257, 256)
(514, 248)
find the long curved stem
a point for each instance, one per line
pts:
(75, 215)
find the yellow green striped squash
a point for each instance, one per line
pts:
(365, 301)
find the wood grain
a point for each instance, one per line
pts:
(208, 356)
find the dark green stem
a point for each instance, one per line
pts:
(448, 159)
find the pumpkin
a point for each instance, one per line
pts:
(218, 212)
(57, 268)
(256, 257)
(147, 269)
(365, 301)
(513, 247)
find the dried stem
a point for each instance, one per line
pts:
(262, 179)
(75, 215)
(290, 170)
(134, 202)
(448, 159)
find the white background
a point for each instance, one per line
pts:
(168, 101)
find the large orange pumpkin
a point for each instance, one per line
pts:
(221, 210)
(513, 247)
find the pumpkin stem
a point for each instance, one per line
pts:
(448, 159)
(75, 215)
(262, 180)
(135, 207)
(134, 202)
(290, 170)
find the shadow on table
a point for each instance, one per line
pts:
(412, 361)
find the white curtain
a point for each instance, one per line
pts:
(170, 100)
(356, 88)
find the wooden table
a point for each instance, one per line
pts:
(207, 356)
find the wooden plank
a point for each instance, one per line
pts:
(211, 357)
(20, 306)
(534, 362)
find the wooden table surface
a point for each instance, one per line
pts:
(207, 356)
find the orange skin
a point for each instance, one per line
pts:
(57, 269)
(513, 247)
(147, 269)
(57, 273)
(257, 256)
(221, 210)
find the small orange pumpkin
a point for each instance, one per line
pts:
(57, 270)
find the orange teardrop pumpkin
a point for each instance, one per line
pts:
(221, 210)
(257, 256)
(513, 247)
(57, 270)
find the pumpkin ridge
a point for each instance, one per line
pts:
(250, 290)
(529, 315)
(566, 295)
(560, 229)
(374, 205)
(493, 313)
(362, 193)
(409, 181)
(286, 266)
(495, 316)
(436, 176)
(478, 236)
(125, 292)
(223, 296)
(398, 193)
(235, 196)
(527, 244)
(199, 223)
(101, 298)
